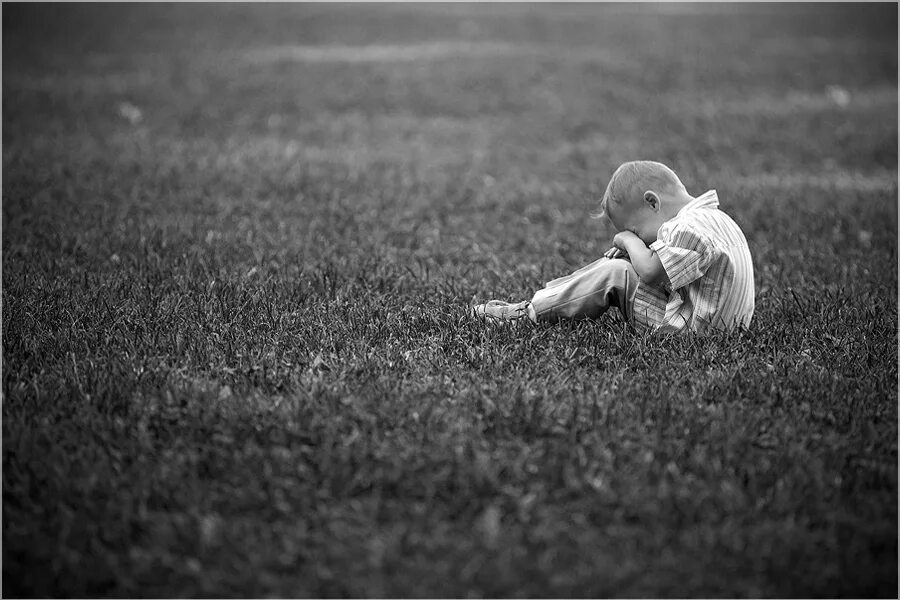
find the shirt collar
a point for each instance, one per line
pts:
(708, 200)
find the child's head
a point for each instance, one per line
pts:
(641, 196)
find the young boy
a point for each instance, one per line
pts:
(677, 264)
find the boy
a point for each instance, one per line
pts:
(677, 264)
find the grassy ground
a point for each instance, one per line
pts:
(238, 247)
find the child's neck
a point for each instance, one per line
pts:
(677, 201)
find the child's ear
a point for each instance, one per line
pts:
(652, 199)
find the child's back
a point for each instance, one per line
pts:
(708, 263)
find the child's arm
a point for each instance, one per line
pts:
(643, 259)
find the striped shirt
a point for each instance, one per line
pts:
(707, 260)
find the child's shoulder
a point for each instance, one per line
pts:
(704, 226)
(691, 220)
(700, 224)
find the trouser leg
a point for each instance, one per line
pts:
(588, 292)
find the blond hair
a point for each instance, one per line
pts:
(629, 182)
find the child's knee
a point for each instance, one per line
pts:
(618, 271)
(620, 264)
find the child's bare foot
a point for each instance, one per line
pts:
(497, 311)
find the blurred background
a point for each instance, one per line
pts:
(537, 101)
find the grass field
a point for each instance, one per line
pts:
(240, 242)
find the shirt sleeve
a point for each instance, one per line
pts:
(685, 255)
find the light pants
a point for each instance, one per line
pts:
(588, 292)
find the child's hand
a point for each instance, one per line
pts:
(623, 238)
(620, 244)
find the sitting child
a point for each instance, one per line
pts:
(677, 264)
